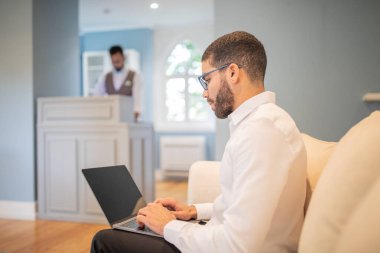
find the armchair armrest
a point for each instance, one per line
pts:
(204, 183)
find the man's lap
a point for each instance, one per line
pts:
(112, 240)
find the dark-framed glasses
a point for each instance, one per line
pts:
(202, 78)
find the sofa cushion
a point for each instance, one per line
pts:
(362, 231)
(318, 153)
(351, 170)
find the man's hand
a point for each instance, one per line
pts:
(136, 116)
(180, 210)
(155, 216)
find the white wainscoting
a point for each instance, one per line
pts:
(18, 210)
(177, 153)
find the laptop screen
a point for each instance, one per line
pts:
(115, 191)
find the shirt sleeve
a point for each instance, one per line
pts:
(137, 91)
(204, 211)
(261, 159)
(100, 88)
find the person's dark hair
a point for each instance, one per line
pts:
(241, 48)
(116, 49)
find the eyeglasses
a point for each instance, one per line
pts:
(202, 78)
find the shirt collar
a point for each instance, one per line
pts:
(121, 72)
(250, 105)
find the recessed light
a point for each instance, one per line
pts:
(154, 5)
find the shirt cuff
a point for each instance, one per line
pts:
(204, 211)
(173, 229)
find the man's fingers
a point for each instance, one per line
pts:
(158, 200)
(141, 220)
(155, 216)
(143, 211)
(169, 203)
(166, 201)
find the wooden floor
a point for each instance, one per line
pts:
(44, 236)
(172, 188)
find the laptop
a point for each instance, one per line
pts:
(118, 196)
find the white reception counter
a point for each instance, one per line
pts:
(84, 132)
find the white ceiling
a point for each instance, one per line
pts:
(99, 15)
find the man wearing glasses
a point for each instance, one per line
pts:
(263, 169)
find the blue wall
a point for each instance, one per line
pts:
(16, 101)
(39, 57)
(56, 65)
(139, 39)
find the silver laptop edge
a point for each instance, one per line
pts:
(140, 231)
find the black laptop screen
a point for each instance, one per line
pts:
(115, 191)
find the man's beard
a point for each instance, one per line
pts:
(224, 101)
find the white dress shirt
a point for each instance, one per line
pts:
(263, 187)
(118, 78)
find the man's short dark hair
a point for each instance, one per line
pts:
(241, 48)
(116, 49)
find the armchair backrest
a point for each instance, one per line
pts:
(349, 175)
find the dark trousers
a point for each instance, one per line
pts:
(112, 240)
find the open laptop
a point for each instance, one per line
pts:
(118, 196)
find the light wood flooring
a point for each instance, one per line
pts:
(42, 236)
(172, 188)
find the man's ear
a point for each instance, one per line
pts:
(233, 73)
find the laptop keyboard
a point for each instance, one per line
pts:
(133, 224)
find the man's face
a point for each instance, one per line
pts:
(117, 61)
(219, 95)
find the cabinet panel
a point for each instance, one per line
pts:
(98, 151)
(141, 153)
(61, 174)
(148, 168)
(137, 163)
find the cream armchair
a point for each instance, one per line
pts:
(344, 211)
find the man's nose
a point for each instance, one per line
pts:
(205, 94)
